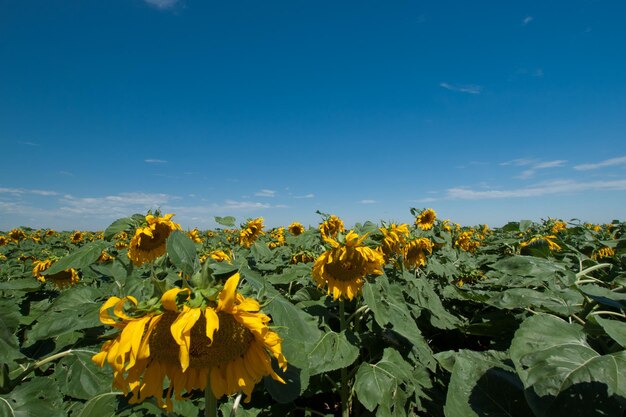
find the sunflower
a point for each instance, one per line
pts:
(77, 237)
(466, 242)
(426, 219)
(604, 252)
(445, 225)
(296, 228)
(104, 257)
(415, 252)
(148, 243)
(330, 227)
(344, 267)
(302, 257)
(557, 226)
(394, 237)
(50, 232)
(228, 341)
(539, 240)
(221, 256)
(279, 238)
(61, 279)
(4, 241)
(194, 235)
(17, 234)
(252, 230)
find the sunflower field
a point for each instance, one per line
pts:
(384, 319)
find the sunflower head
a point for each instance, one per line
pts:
(394, 237)
(225, 338)
(467, 242)
(415, 252)
(77, 237)
(250, 232)
(426, 219)
(296, 228)
(343, 268)
(62, 279)
(330, 227)
(221, 256)
(194, 235)
(278, 235)
(148, 243)
(17, 234)
(4, 240)
(602, 253)
(540, 240)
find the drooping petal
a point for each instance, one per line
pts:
(212, 322)
(226, 300)
(181, 332)
(168, 299)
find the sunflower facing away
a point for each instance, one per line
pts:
(542, 240)
(343, 267)
(394, 237)
(148, 243)
(426, 219)
(61, 279)
(229, 342)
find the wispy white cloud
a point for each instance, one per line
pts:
(265, 193)
(310, 195)
(114, 205)
(519, 162)
(602, 164)
(162, 4)
(527, 20)
(468, 88)
(27, 143)
(529, 173)
(538, 190)
(366, 201)
(155, 161)
(20, 191)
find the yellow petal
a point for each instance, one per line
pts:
(105, 317)
(212, 322)
(168, 300)
(227, 295)
(181, 332)
(119, 307)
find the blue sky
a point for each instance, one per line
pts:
(486, 111)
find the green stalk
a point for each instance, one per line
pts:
(210, 402)
(344, 389)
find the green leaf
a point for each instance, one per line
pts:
(614, 328)
(425, 297)
(526, 266)
(564, 374)
(81, 258)
(482, 384)
(376, 383)
(182, 251)
(21, 284)
(228, 221)
(332, 351)
(102, 405)
(122, 225)
(35, 397)
(79, 377)
(296, 382)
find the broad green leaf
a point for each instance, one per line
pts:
(565, 375)
(615, 329)
(526, 266)
(80, 258)
(482, 384)
(181, 251)
(228, 221)
(296, 382)
(78, 377)
(20, 284)
(102, 405)
(32, 398)
(122, 225)
(332, 351)
(379, 382)
(426, 298)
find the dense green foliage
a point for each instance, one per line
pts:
(514, 327)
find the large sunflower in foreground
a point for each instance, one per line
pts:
(229, 342)
(426, 219)
(343, 267)
(250, 233)
(61, 279)
(148, 243)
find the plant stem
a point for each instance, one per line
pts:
(344, 389)
(210, 402)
